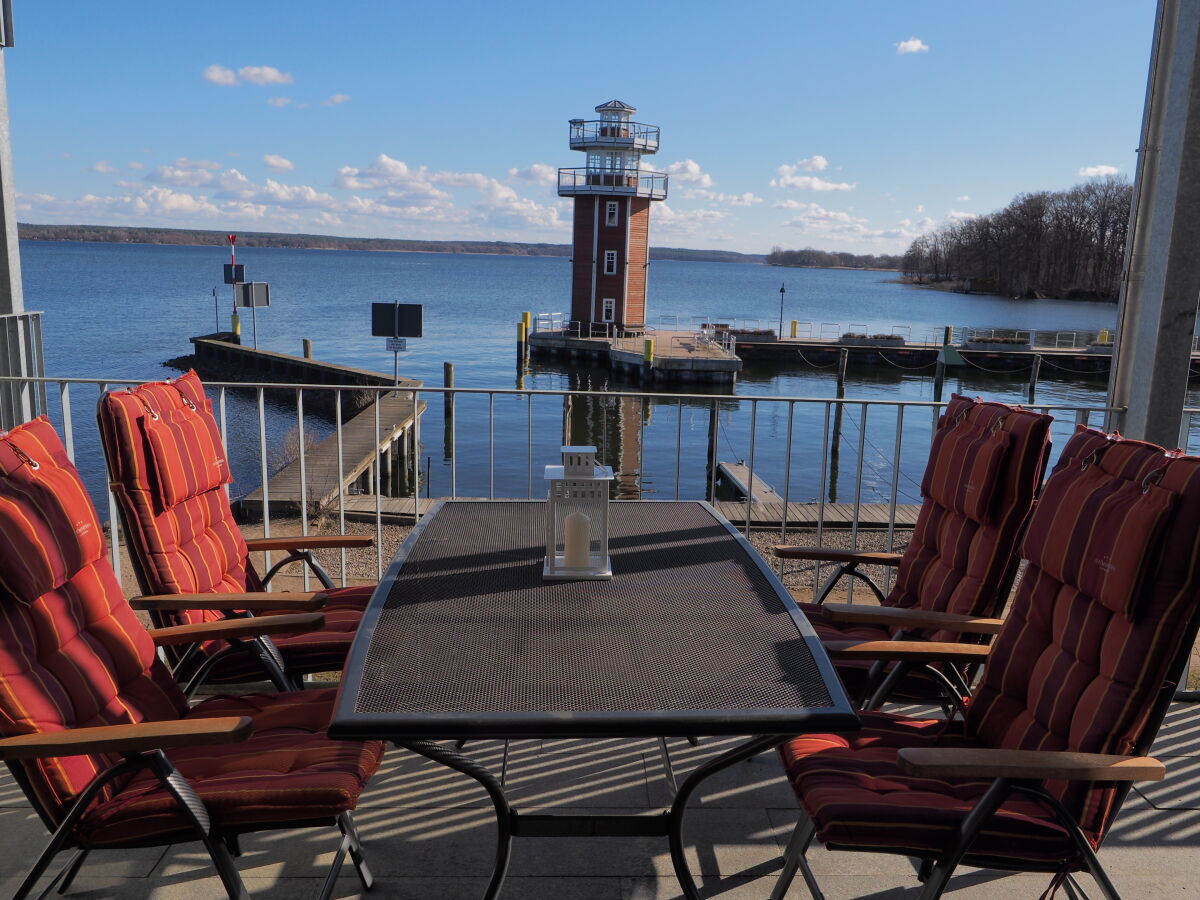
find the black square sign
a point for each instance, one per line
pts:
(397, 319)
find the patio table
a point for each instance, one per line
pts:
(694, 635)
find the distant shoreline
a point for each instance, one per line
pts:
(118, 234)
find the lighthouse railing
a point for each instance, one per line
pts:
(635, 134)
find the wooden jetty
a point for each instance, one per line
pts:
(360, 443)
(736, 476)
(678, 356)
(808, 515)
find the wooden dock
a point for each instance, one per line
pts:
(737, 476)
(359, 447)
(807, 515)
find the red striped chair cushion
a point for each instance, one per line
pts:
(189, 457)
(287, 772)
(72, 652)
(964, 465)
(47, 520)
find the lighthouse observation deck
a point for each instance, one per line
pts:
(618, 182)
(614, 135)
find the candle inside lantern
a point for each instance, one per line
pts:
(576, 540)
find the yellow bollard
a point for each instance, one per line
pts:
(795, 328)
(235, 324)
(520, 332)
(648, 351)
(1103, 337)
(527, 318)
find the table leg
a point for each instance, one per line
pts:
(449, 757)
(675, 833)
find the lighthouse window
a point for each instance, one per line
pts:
(609, 311)
(610, 213)
(610, 262)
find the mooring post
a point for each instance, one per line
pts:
(939, 372)
(795, 328)
(521, 345)
(1033, 377)
(843, 360)
(308, 349)
(713, 425)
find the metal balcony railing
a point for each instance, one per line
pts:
(622, 182)
(614, 135)
(826, 455)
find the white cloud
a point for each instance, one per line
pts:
(220, 75)
(183, 176)
(279, 101)
(538, 173)
(667, 219)
(962, 198)
(277, 162)
(835, 225)
(788, 177)
(1095, 171)
(336, 100)
(102, 166)
(746, 199)
(816, 163)
(688, 171)
(264, 75)
(183, 162)
(920, 208)
(912, 45)
(136, 165)
(957, 215)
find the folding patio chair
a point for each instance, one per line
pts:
(98, 734)
(168, 471)
(985, 465)
(1073, 692)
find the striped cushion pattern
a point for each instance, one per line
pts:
(956, 562)
(73, 654)
(1070, 671)
(288, 772)
(193, 546)
(189, 457)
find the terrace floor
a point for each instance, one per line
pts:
(429, 833)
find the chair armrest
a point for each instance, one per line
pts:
(237, 628)
(910, 618)
(969, 762)
(907, 651)
(831, 554)
(297, 601)
(309, 542)
(128, 738)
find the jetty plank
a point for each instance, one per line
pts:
(807, 515)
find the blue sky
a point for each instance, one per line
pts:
(797, 124)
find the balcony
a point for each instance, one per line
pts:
(614, 135)
(618, 182)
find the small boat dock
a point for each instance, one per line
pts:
(674, 357)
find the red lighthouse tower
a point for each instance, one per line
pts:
(612, 218)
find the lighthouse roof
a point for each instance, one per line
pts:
(615, 106)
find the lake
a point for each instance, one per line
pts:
(120, 310)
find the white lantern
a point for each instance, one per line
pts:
(577, 517)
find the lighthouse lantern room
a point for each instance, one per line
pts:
(611, 242)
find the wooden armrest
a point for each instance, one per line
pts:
(831, 554)
(907, 651)
(290, 601)
(237, 628)
(309, 542)
(129, 738)
(968, 762)
(910, 618)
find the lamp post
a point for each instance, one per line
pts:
(782, 291)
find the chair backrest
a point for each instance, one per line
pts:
(72, 652)
(168, 470)
(984, 469)
(1104, 615)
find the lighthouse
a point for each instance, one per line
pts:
(611, 235)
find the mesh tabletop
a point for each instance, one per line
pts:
(465, 638)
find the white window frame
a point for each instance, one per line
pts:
(612, 213)
(608, 309)
(610, 262)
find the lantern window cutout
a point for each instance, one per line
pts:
(577, 517)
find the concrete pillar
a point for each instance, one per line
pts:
(1157, 311)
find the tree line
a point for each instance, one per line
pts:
(1068, 244)
(831, 259)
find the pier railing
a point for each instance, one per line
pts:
(845, 463)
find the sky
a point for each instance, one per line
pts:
(854, 125)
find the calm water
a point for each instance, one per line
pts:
(119, 311)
